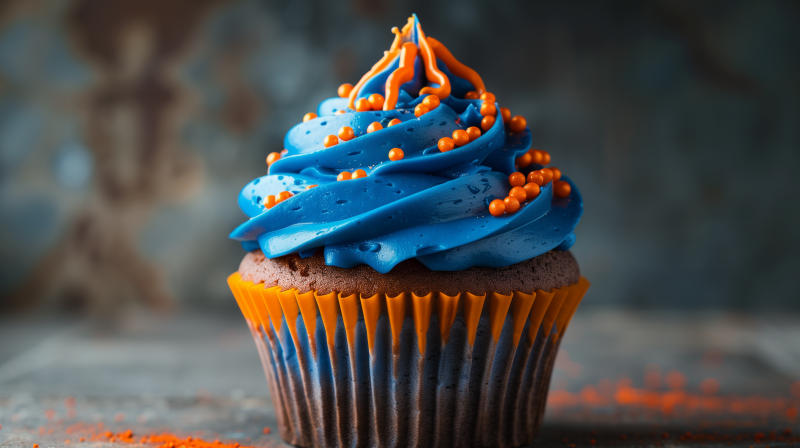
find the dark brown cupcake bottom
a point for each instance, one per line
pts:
(545, 272)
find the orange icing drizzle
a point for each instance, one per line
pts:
(473, 305)
(458, 69)
(498, 308)
(430, 49)
(431, 70)
(402, 75)
(371, 306)
(396, 307)
(308, 309)
(270, 297)
(329, 310)
(260, 307)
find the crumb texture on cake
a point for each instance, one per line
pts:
(547, 271)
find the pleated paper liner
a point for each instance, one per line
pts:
(423, 371)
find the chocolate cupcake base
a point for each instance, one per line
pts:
(409, 358)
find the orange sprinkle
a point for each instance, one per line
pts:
(488, 109)
(394, 122)
(556, 173)
(518, 123)
(523, 161)
(471, 95)
(311, 186)
(309, 116)
(330, 141)
(547, 174)
(376, 101)
(340, 112)
(487, 123)
(446, 144)
(519, 194)
(497, 207)
(374, 126)
(267, 430)
(270, 202)
(344, 175)
(488, 97)
(537, 156)
(273, 157)
(344, 90)
(460, 137)
(431, 102)
(506, 114)
(358, 174)
(562, 189)
(532, 190)
(396, 154)
(282, 196)
(516, 179)
(473, 132)
(362, 105)
(545, 157)
(35, 445)
(536, 178)
(512, 204)
(346, 133)
(421, 110)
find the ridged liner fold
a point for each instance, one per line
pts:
(407, 370)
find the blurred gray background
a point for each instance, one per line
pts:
(127, 129)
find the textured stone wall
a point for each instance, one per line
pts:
(127, 129)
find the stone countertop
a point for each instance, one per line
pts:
(621, 379)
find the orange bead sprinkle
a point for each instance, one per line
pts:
(344, 175)
(330, 141)
(556, 173)
(346, 133)
(536, 177)
(516, 179)
(562, 188)
(374, 126)
(488, 97)
(396, 154)
(376, 101)
(506, 114)
(537, 156)
(473, 132)
(487, 123)
(273, 157)
(525, 160)
(362, 105)
(270, 202)
(431, 102)
(344, 90)
(460, 137)
(282, 196)
(519, 194)
(471, 95)
(488, 109)
(309, 116)
(531, 190)
(394, 122)
(518, 123)
(512, 205)
(547, 174)
(446, 144)
(421, 110)
(545, 157)
(358, 174)
(340, 112)
(35, 445)
(497, 207)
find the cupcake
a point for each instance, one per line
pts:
(407, 278)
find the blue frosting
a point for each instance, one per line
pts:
(432, 206)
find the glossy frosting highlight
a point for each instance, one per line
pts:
(430, 205)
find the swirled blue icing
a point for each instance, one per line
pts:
(431, 205)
